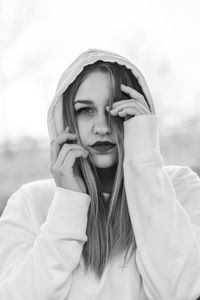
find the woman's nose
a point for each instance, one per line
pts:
(101, 125)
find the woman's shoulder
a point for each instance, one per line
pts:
(33, 199)
(186, 183)
(41, 186)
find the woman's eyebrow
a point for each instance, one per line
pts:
(84, 101)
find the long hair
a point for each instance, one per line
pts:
(109, 229)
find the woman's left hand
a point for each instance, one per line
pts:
(130, 107)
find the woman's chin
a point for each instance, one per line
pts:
(104, 161)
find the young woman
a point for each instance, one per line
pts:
(113, 222)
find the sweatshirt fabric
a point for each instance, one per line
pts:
(43, 228)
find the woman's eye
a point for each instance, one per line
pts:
(83, 110)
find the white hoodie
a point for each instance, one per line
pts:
(43, 227)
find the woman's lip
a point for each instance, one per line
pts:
(103, 149)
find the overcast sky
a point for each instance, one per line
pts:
(39, 39)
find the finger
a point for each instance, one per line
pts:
(123, 102)
(133, 93)
(131, 112)
(60, 139)
(70, 158)
(66, 149)
(56, 144)
(133, 105)
(130, 101)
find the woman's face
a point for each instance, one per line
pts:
(92, 118)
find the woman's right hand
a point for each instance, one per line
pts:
(63, 155)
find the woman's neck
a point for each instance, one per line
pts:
(106, 177)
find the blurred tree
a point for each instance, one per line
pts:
(15, 16)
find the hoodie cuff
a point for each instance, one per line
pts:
(68, 213)
(141, 138)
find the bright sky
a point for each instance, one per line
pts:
(39, 39)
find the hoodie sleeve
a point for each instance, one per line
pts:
(165, 215)
(39, 266)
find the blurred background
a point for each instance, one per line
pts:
(39, 39)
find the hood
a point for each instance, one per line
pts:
(54, 118)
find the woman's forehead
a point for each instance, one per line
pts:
(94, 84)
